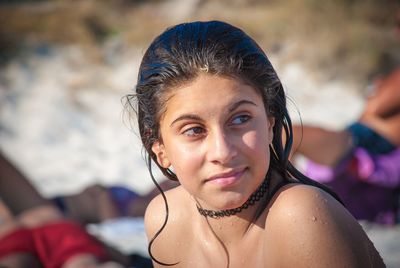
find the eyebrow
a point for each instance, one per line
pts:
(239, 103)
(196, 117)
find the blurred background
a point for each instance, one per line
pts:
(66, 64)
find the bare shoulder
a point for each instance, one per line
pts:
(157, 209)
(316, 229)
(155, 219)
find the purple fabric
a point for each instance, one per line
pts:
(382, 170)
(365, 183)
(123, 198)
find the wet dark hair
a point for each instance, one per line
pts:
(186, 50)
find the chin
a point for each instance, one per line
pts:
(233, 202)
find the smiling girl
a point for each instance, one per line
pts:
(212, 114)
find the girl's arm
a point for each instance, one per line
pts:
(386, 99)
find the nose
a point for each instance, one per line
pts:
(221, 147)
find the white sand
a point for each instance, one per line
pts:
(61, 121)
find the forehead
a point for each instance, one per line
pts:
(208, 93)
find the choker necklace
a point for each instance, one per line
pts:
(256, 196)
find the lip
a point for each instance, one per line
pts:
(226, 178)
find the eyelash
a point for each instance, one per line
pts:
(241, 116)
(244, 118)
(186, 132)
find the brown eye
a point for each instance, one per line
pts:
(194, 131)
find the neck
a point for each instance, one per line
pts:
(255, 197)
(234, 227)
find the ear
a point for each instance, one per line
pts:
(271, 123)
(159, 150)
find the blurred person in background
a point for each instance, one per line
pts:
(362, 162)
(98, 203)
(35, 232)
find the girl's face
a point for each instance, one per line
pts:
(215, 135)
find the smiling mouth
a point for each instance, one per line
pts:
(228, 178)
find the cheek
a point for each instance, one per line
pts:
(184, 159)
(257, 140)
(257, 151)
(187, 165)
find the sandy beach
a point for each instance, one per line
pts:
(62, 123)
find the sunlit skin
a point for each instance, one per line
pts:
(215, 135)
(215, 132)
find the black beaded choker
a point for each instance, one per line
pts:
(256, 196)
